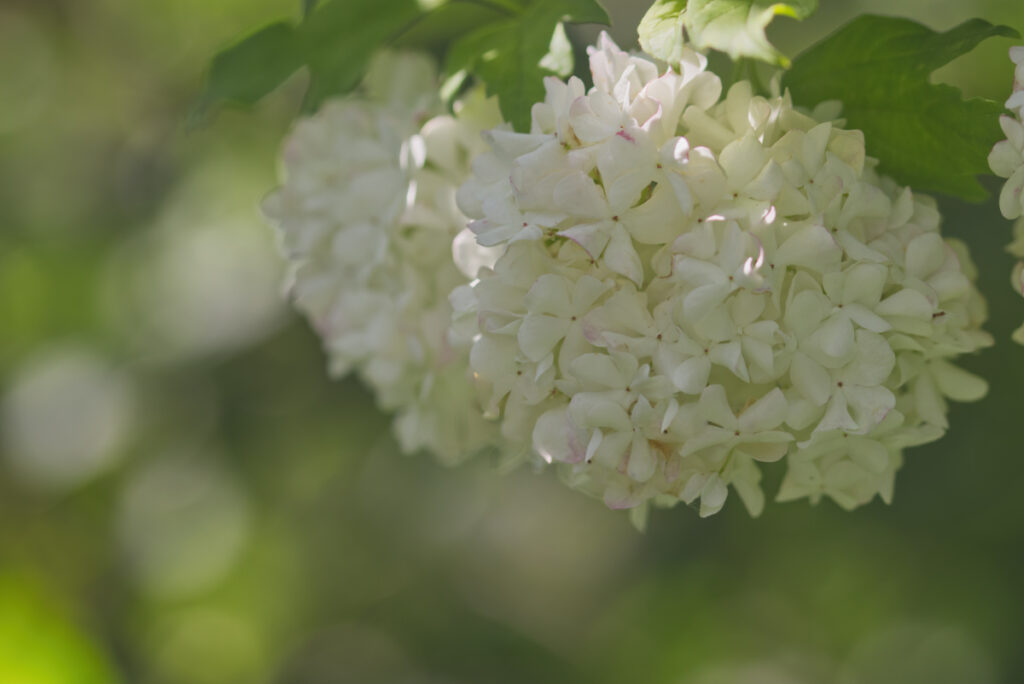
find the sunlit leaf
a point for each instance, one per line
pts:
(924, 134)
(735, 27)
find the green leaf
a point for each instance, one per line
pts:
(248, 70)
(512, 56)
(924, 135)
(661, 30)
(340, 37)
(736, 27)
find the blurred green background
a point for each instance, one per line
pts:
(185, 497)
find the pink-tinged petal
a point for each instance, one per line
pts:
(618, 497)
(1011, 201)
(869, 405)
(556, 439)
(592, 237)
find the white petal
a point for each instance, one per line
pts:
(811, 379)
(555, 439)
(549, 295)
(869, 405)
(714, 407)
(642, 460)
(691, 376)
(621, 257)
(591, 410)
(597, 369)
(907, 303)
(538, 334)
(766, 413)
(958, 384)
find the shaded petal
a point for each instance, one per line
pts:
(766, 413)
(538, 334)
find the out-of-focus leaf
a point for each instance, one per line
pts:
(251, 68)
(340, 37)
(39, 644)
(448, 22)
(512, 56)
(736, 27)
(924, 135)
(335, 41)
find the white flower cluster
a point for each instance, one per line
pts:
(367, 215)
(1007, 161)
(693, 286)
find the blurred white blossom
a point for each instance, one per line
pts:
(368, 219)
(695, 285)
(66, 416)
(1007, 161)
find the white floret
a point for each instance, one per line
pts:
(368, 218)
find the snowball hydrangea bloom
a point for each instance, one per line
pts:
(693, 286)
(1007, 157)
(367, 216)
(1007, 161)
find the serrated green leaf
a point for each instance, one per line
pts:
(513, 55)
(661, 30)
(736, 27)
(924, 135)
(251, 68)
(340, 37)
